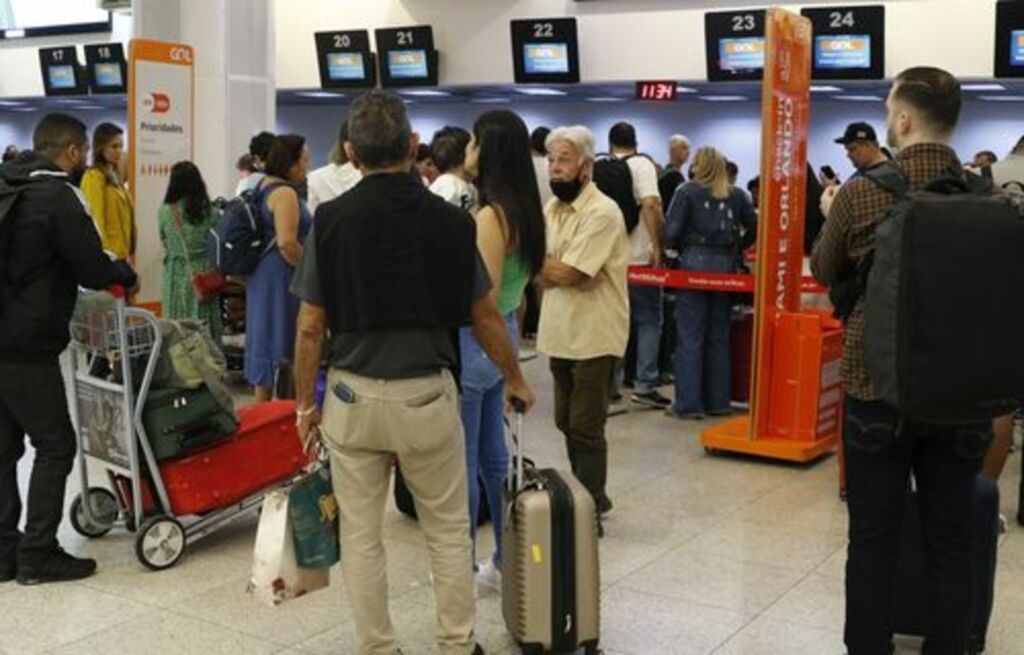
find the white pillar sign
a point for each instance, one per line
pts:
(161, 133)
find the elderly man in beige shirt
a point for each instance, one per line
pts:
(584, 320)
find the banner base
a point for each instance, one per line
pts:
(733, 436)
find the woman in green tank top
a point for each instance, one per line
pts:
(510, 238)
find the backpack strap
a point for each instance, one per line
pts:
(264, 195)
(888, 177)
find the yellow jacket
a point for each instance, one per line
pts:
(112, 212)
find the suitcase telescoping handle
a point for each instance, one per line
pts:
(515, 476)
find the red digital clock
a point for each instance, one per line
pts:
(656, 90)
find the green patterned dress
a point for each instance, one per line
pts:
(179, 300)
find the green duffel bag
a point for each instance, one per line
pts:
(178, 421)
(189, 359)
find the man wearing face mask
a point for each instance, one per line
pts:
(584, 321)
(49, 247)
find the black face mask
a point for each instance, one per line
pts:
(567, 191)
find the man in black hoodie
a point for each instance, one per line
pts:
(49, 247)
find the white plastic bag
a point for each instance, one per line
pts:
(276, 576)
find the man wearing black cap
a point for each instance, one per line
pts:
(862, 146)
(864, 151)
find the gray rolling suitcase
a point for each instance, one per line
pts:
(551, 581)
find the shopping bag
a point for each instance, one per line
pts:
(313, 512)
(276, 576)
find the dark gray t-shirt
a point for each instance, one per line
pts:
(387, 354)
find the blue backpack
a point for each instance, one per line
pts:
(239, 241)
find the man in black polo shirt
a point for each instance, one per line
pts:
(392, 272)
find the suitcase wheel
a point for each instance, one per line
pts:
(104, 508)
(160, 543)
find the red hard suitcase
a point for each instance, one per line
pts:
(264, 450)
(741, 339)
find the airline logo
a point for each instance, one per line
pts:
(844, 44)
(741, 54)
(842, 51)
(546, 58)
(157, 103)
(744, 47)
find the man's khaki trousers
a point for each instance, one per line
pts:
(367, 423)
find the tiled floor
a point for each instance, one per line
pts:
(703, 555)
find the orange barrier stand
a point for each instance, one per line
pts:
(804, 419)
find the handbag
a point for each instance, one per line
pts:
(276, 574)
(313, 513)
(207, 284)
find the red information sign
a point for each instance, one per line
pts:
(785, 115)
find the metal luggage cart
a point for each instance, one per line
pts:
(110, 338)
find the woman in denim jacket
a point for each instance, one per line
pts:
(710, 222)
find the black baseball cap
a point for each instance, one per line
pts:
(858, 132)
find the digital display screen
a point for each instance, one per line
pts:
(345, 66)
(108, 74)
(546, 58)
(1017, 48)
(62, 77)
(53, 16)
(842, 51)
(742, 54)
(408, 64)
(664, 91)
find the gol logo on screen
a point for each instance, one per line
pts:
(157, 103)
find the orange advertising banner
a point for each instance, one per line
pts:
(785, 120)
(161, 133)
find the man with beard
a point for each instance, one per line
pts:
(584, 320)
(883, 448)
(49, 247)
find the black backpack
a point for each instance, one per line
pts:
(238, 242)
(943, 304)
(613, 177)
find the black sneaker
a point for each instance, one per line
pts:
(57, 566)
(604, 506)
(651, 399)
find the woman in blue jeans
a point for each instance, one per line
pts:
(510, 238)
(711, 223)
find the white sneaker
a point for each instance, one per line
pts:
(488, 575)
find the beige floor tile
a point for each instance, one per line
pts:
(770, 637)
(198, 571)
(711, 580)
(288, 624)
(818, 601)
(802, 550)
(1006, 633)
(834, 566)
(415, 624)
(641, 624)
(168, 633)
(798, 506)
(37, 619)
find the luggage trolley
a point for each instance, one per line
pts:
(108, 416)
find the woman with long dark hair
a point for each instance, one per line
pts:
(185, 218)
(271, 310)
(510, 238)
(104, 188)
